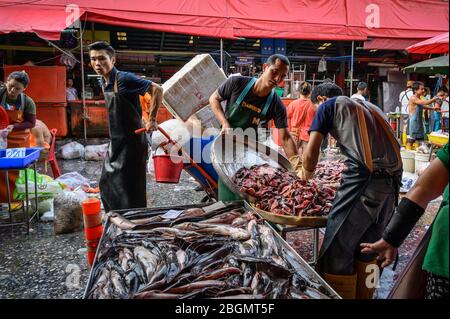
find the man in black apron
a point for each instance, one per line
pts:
(252, 101)
(123, 180)
(368, 195)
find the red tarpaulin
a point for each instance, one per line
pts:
(437, 44)
(288, 19)
(388, 44)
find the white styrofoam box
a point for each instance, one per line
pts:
(207, 118)
(188, 90)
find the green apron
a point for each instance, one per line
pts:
(242, 117)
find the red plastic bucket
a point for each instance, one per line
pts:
(167, 168)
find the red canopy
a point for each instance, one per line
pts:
(437, 44)
(288, 19)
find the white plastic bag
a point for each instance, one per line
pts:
(150, 167)
(72, 150)
(95, 152)
(73, 180)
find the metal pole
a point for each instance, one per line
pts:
(82, 85)
(351, 68)
(221, 54)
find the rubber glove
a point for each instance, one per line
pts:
(296, 164)
(305, 174)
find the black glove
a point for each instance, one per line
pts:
(402, 222)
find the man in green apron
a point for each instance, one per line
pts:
(123, 180)
(429, 186)
(368, 194)
(252, 101)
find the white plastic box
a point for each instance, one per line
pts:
(188, 90)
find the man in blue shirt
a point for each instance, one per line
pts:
(123, 182)
(367, 196)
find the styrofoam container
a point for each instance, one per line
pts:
(188, 90)
(408, 159)
(207, 118)
(421, 161)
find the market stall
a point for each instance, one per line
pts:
(224, 251)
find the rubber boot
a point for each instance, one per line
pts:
(344, 285)
(362, 271)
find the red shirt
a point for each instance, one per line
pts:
(300, 115)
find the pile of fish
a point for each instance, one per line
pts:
(281, 192)
(228, 254)
(329, 172)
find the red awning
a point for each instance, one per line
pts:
(288, 19)
(46, 21)
(388, 44)
(437, 44)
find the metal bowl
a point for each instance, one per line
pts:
(230, 152)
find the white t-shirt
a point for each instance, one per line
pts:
(403, 98)
(358, 97)
(444, 107)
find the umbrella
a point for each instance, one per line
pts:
(437, 44)
(432, 66)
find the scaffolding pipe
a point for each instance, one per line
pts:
(351, 68)
(83, 93)
(221, 54)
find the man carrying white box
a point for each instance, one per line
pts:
(251, 101)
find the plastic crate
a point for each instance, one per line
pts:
(31, 154)
(441, 140)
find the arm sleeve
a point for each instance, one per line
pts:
(131, 84)
(225, 90)
(323, 120)
(280, 114)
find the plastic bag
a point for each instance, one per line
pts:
(150, 167)
(95, 152)
(68, 212)
(46, 186)
(72, 150)
(3, 139)
(73, 180)
(408, 181)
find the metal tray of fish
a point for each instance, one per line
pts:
(231, 152)
(225, 251)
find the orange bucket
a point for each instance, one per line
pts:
(94, 233)
(167, 168)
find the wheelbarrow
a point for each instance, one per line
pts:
(206, 181)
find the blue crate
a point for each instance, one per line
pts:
(31, 154)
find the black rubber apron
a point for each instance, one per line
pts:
(123, 180)
(355, 181)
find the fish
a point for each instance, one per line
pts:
(205, 259)
(182, 258)
(241, 296)
(219, 273)
(249, 272)
(197, 285)
(234, 292)
(263, 285)
(118, 285)
(215, 229)
(156, 295)
(97, 289)
(224, 218)
(121, 222)
(149, 260)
